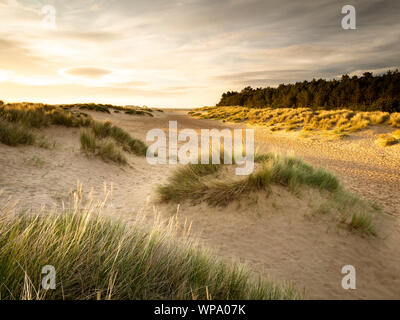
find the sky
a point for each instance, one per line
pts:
(184, 53)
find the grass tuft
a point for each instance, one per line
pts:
(88, 140)
(396, 134)
(108, 150)
(14, 134)
(105, 148)
(108, 130)
(362, 222)
(385, 140)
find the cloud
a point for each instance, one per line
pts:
(93, 36)
(87, 72)
(188, 52)
(255, 74)
(16, 56)
(132, 83)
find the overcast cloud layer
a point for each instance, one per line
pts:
(185, 53)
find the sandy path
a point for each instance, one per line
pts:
(279, 236)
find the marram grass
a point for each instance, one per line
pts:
(105, 148)
(15, 119)
(14, 134)
(335, 122)
(193, 182)
(98, 257)
(385, 140)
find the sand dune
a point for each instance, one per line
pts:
(278, 236)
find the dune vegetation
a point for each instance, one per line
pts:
(102, 257)
(18, 122)
(338, 123)
(213, 184)
(108, 108)
(105, 148)
(396, 134)
(14, 134)
(106, 129)
(385, 140)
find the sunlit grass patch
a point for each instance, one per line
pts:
(37, 116)
(385, 140)
(396, 134)
(395, 119)
(40, 115)
(338, 122)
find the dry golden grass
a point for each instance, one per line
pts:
(385, 140)
(337, 122)
(396, 134)
(395, 120)
(16, 120)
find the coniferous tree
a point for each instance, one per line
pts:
(365, 93)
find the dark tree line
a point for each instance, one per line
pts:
(366, 93)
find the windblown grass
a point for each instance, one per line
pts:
(14, 134)
(187, 182)
(108, 130)
(335, 122)
(362, 221)
(193, 183)
(99, 257)
(105, 148)
(88, 141)
(188, 179)
(39, 115)
(190, 182)
(106, 108)
(108, 150)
